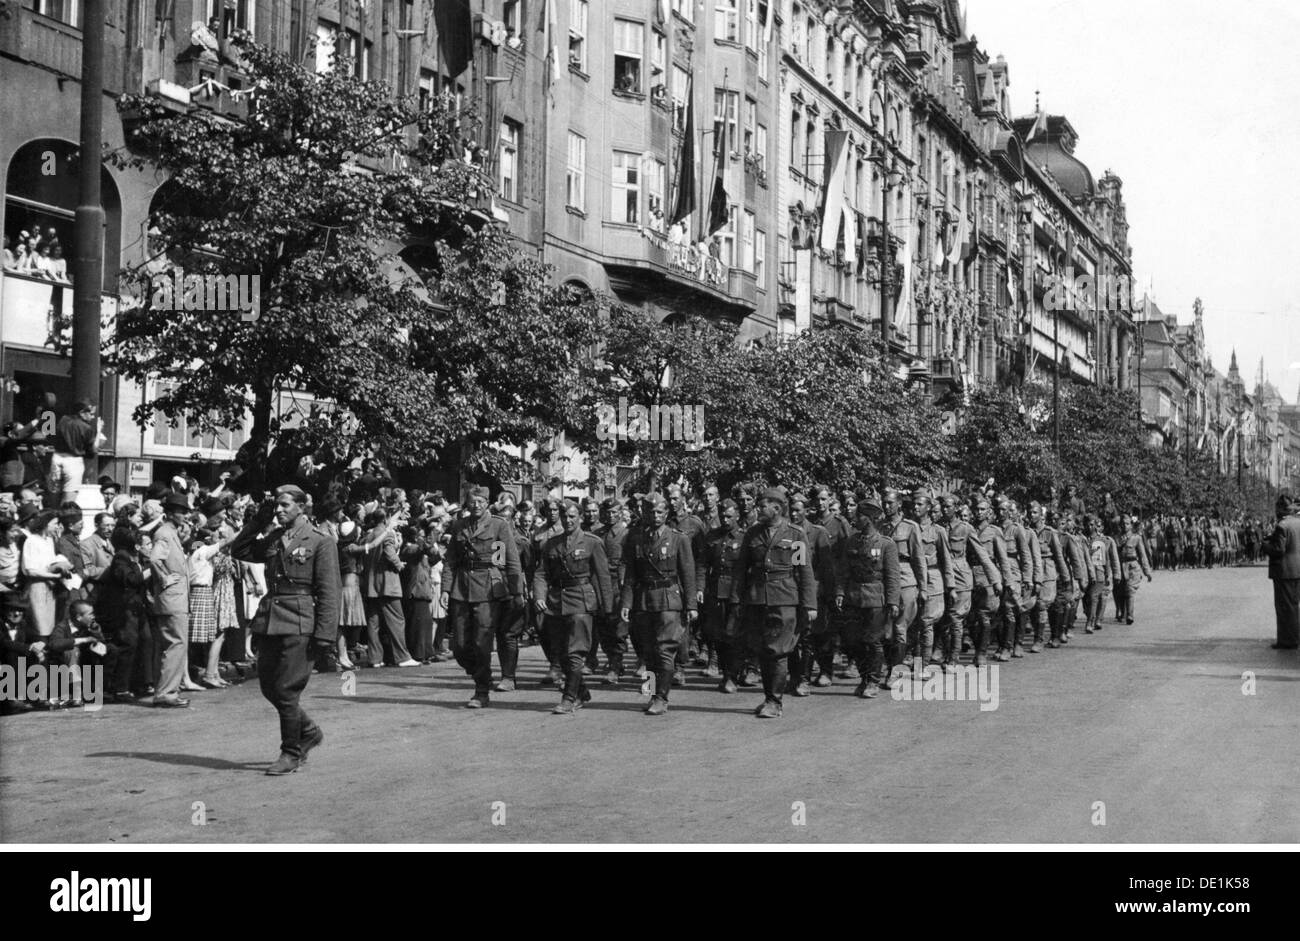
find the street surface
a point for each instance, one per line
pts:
(1150, 720)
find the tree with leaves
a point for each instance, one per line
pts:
(314, 194)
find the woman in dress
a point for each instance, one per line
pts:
(43, 569)
(204, 549)
(224, 570)
(352, 610)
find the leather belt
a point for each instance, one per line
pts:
(573, 582)
(291, 591)
(481, 566)
(659, 583)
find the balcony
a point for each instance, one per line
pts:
(41, 40)
(835, 311)
(30, 307)
(642, 261)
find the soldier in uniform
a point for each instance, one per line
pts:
(1076, 557)
(1134, 564)
(547, 527)
(570, 588)
(938, 568)
(611, 630)
(866, 591)
(298, 617)
(961, 547)
(714, 568)
(986, 598)
(658, 591)
(1018, 589)
(914, 579)
(828, 632)
(692, 527)
(1100, 572)
(481, 579)
(773, 578)
(515, 621)
(1055, 570)
(745, 495)
(815, 641)
(712, 507)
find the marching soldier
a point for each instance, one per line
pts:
(548, 527)
(839, 525)
(914, 579)
(1076, 556)
(610, 628)
(515, 621)
(986, 598)
(692, 527)
(1054, 571)
(1018, 590)
(938, 568)
(481, 578)
(866, 590)
(589, 512)
(298, 617)
(712, 508)
(746, 497)
(572, 586)
(773, 578)
(815, 641)
(1134, 562)
(658, 590)
(714, 569)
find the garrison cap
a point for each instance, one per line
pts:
(776, 494)
(655, 498)
(292, 490)
(477, 492)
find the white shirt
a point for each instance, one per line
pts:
(200, 564)
(38, 554)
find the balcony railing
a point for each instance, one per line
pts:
(30, 307)
(689, 260)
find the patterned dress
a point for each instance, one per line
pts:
(223, 590)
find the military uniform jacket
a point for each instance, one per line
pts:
(716, 563)
(938, 567)
(302, 579)
(911, 554)
(527, 554)
(775, 568)
(1035, 554)
(693, 528)
(1098, 551)
(961, 550)
(1076, 554)
(994, 546)
(573, 575)
(866, 570)
(1054, 563)
(1133, 551)
(1020, 560)
(613, 538)
(659, 571)
(482, 562)
(823, 559)
(837, 529)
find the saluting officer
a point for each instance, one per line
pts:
(572, 586)
(773, 578)
(658, 588)
(713, 574)
(481, 578)
(866, 590)
(1134, 564)
(914, 578)
(611, 630)
(298, 617)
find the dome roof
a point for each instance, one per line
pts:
(1071, 173)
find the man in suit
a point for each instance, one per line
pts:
(97, 553)
(20, 646)
(381, 582)
(658, 590)
(570, 587)
(297, 619)
(481, 577)
(170, 606)
(1283, 549)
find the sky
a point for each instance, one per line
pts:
(1195, 105)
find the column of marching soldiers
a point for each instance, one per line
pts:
(776, 586)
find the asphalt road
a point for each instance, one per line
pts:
(1150, 721)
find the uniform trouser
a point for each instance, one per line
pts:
(1094, 600)
(386, 614)
(474, 624)
(508, 632)
(553, 655)
(611, 630)
(1015, 615)
(1120, 592)
(174, 630)
(658, 635)
(920, 631)
(816, 642)
(722, 630)
(772, 632)
(1076, 597)
(954, 619)
(1286, 602)
(1044, 612)
(984, 605)
(283, 668)
(571, 636)
(864, 637)
(1131, 582)
(897, 642)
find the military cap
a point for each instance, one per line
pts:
(653, 499)
(292, 490)
(610, 503)
(921, 493)
(869, 500)
(477, 492)
(776, 494)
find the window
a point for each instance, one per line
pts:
(683, 9)
(859, 191)
(751, 118)
(829, 64)
(922, 157)
(235, 14)
(752, 25)
(186, 433)
(760, 255)
(796, 136)
(512, 14)
(324, 48)
(810, 40)
(341, 51)
(659, 56)
(508, 161)
(726, 104)
(809, 142)
(747, 241)
(763, 42)
(726, 22)
(629, 47)
(797, 26)
(428, 88)
(575, 176)
(65, 11)
(626, 201)
(846, 89)
(681, 91)
(655, 173)
(578, 34)
(727, 239)
(760, 146)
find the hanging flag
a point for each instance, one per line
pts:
(850, 233)
(455, 34)
(903, 310)
(552, 59)
(661, 11)
(862, 241)
(718, 203)
(959, 240)
(767, 21)
(837, 151)
(684, 202)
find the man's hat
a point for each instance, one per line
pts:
(211, 506)
(654, 498)
(175, 503)
(26, 511)
(14, 601)
(610, 503)
(106, 481)
(157, 491)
